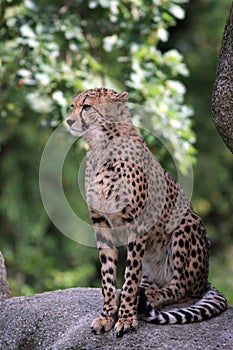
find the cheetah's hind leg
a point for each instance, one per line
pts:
(145, 308)
(155, 298)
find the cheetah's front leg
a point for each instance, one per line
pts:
(107, 319)
(127, 314)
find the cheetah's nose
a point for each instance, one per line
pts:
(70, 122)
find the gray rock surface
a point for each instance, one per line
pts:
(60, 320)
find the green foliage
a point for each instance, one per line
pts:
(221, 269)
(50, 58)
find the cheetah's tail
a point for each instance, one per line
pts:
(210, 305)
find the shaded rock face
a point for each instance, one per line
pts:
(61, 320)
(4, 287)
(222, 102)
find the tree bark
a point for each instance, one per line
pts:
(222, 102)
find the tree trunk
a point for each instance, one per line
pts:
(222, 103)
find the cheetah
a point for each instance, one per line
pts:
(133, 201)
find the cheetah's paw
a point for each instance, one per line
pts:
(124, 326)
(102, 324)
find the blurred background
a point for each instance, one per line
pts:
(164, 53)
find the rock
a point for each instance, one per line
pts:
(222, 102)
(4, 287)
(60, 320)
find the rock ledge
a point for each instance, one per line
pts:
(60, 320)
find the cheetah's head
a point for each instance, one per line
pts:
(93, 108)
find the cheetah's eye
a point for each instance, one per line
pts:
(86, 107)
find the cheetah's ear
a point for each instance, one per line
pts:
(122, 97)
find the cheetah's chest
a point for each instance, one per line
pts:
(157, 263)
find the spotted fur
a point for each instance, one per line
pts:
(132, 200)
